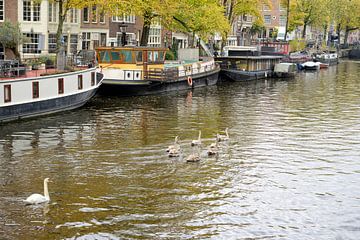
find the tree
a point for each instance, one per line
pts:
(346, 15)
(63, 8)
(202, 17)
(11, 37)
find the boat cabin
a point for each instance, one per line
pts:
(130, 55)
(246, 59)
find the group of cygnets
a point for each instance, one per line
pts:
(174, 150)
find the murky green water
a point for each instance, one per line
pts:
(290, 171)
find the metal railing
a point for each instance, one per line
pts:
(11, 68)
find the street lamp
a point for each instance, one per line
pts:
(122, 29)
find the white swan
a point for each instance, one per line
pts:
(221, 138)
(173, 146)
(38, 198)
(174, 152)
(213, 149)
(198, 141)
(193, 158)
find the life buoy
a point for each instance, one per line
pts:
(189, 80)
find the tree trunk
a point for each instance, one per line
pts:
(304, 31)
(347, 30)
(59, 53)
(325, 32)
(146, 29)
(338, 31)
(287, 19)
(16, 52)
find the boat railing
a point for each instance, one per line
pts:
(173, 74)
(11, 68)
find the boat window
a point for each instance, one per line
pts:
(161, 57)
(104, 56)
(115, 56)
(139, 56)
(60, 85)
(92, 78)
(156, 56)
(7, 93)
(126, 55)
(35, 88)
(80, 82)
(150, 54)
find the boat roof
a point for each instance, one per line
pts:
(133, 48)
(252, 57)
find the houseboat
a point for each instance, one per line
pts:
(327, 58)
(34, 94)
(130, 71)
(246, 63)
(285, 70)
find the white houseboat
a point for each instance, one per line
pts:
(33, 95)
(132, 71)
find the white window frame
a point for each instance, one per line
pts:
(53, 12)
(154, 39)
(269, 18)
(27, 46)
(83, 15)
(124, 18)
(33, 16)
(93, 14)
(2, 10)
(282, 20)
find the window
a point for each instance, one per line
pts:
(102, 17)
(86, 40)
(1, 10)
(92, 78)
(53, 12)
(72, 16)
(52, 43)
(33, 45)
(86, 15)
(124, 19)
(266, 8)
(139, 56)
(7, 93)
(73, 43)
(60, 85)
(31, 11)
(155, 36)
(267, 19)
(36, 12)
(35, 88)
(94, 15)
(80, 82)
(282, 20)
(104, 56)
(2, 52)
(27, 10)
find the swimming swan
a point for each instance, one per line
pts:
(193, 158)
(221, 138)
(173, 146)
(198, 141)
(38, 198)
(174, 152)
(213, 149)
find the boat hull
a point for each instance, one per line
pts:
(34, 109)
(237, 75)
(77, 88)
(143, 87)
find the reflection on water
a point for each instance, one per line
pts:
(289, 171)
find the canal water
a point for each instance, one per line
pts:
(291, 169)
